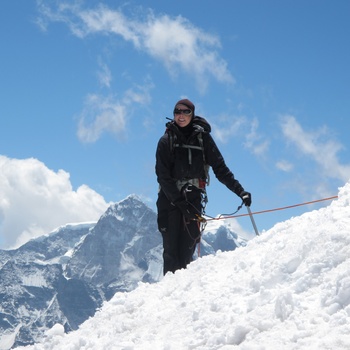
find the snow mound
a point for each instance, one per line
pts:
(287, 289)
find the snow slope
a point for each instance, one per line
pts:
(287, 289)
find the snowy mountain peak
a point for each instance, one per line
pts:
(123, 236)
(131, 207)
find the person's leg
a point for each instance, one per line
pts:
(170, 225)
(171, 241)
(189, 236)
(190, 231)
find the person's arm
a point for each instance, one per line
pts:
(222, 172)
(163, 171)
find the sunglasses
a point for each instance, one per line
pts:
(182, 111)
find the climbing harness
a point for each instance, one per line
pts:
(201, 221)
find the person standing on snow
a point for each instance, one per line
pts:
(184, 154)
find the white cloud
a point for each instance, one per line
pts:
(36, 200)
(242, 127)
(284, 165)
(109, 114)
(139, 95)
(58, 12)
(254, 141)
(101, 114)
(178, 44)
(231, 126)
(318, 145)
(175, 42)
(104, 75)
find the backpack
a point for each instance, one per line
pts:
(172, 137)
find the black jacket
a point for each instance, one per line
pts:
(173, 163)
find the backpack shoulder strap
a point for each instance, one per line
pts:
(172, 141)
(206, 166)
(172, 138)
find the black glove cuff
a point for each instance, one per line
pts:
(246, 198)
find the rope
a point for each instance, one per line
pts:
(221, 217)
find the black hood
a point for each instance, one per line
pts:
(201, 122)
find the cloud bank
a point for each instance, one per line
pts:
(316, 145)
(173, 41)
(35, 200)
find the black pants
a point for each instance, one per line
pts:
(179, 235)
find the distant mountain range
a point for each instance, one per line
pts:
(65, 276)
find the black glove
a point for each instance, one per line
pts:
(187, 210)
(246, 198)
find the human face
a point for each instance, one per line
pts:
(182, 120)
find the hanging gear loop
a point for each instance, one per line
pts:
(201, 221)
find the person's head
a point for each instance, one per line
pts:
(184, 112)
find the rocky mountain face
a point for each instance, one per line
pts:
(63, 277)
(122, 249)
(34, 292)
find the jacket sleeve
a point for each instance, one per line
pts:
(163, 171)
(220, 169)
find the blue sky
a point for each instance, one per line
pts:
(86, 86)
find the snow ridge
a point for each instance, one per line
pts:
(287, 289)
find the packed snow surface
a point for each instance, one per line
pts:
(289, 288)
